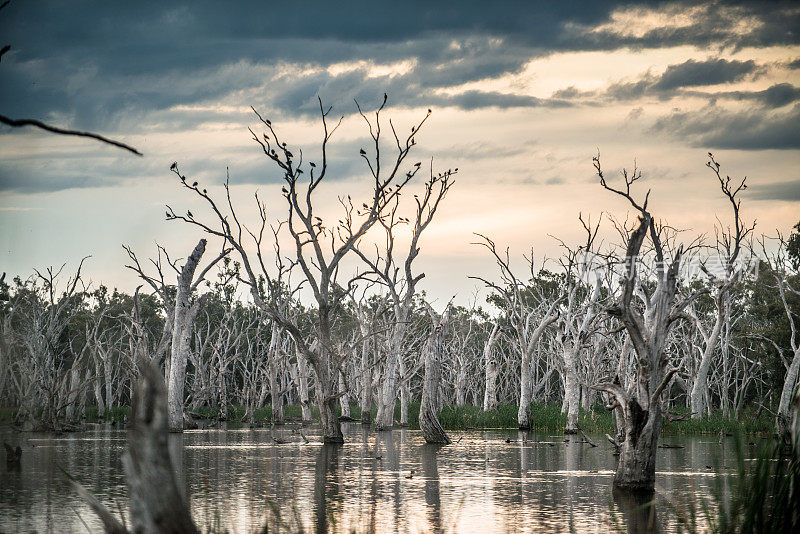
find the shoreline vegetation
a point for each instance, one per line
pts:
(544, 417)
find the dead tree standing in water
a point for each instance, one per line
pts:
(432, 353)
(640, 402)
(182, 323)
(402, 287)
(312, 238)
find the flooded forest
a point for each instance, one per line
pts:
(289, 373)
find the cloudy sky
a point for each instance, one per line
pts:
(523, 95)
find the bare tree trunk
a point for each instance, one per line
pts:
(98, 389)
(74, 386)
(185, 313)
(344, 400)
(384, 419)
(525, 390)
(366, 383)
(107, 375)
(302, 386)
(490, 388)
(697, 397)
(276, 398)
(404, 394)
(326, 402)
(787, 392)
(432, 430)
(572, 389)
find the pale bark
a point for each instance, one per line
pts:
(183, 323)
(648, 332)
(526, 374)
(366, 380)
(491, 372)
(302, 385)
(344, 400)
(432, 352)
(388, 394)
(276, 396)
(697, 397)
(572, 389)
(157, 503)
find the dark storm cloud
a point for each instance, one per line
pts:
(129, 67)
(712, 72)
(775, 96)
(712, 25)
(92, 62)
(688, 74)
(714, 127)
(787, 191)
(679, 80)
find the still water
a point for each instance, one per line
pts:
(238, 480)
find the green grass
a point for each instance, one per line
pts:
(545, 417)
(115, 414)
(745, 423)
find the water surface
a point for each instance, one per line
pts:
(239, 479)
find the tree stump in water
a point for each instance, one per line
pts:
(432, 430)
(156, 500)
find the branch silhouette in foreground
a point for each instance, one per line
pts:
(19, 123)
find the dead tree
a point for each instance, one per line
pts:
(401, 282)
(432, 353)
(530, 313)
(786, 282)
(157, 503)
(648, 331)
(728, 248)
(312, 238)
(182, 316)
(490, 369)
(579, 312)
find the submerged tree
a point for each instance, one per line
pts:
(648, 314)
(401, 283)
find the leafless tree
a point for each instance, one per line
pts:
(400, 280)
(640, 407)
(311, 237)
(530, 313)
(728, 248)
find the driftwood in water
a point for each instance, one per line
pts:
(590, 442)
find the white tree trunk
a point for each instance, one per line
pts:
(787, 393)
(490, 387)
(572, 389)
(697, 397)
(429, 424)
(302, 386)
(366, 381)
(384, 419)
(344, 400)
(185, 313)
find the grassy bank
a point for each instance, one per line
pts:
(544, 418)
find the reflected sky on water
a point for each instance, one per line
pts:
(487, 481)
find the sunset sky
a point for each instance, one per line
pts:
(523, 95)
